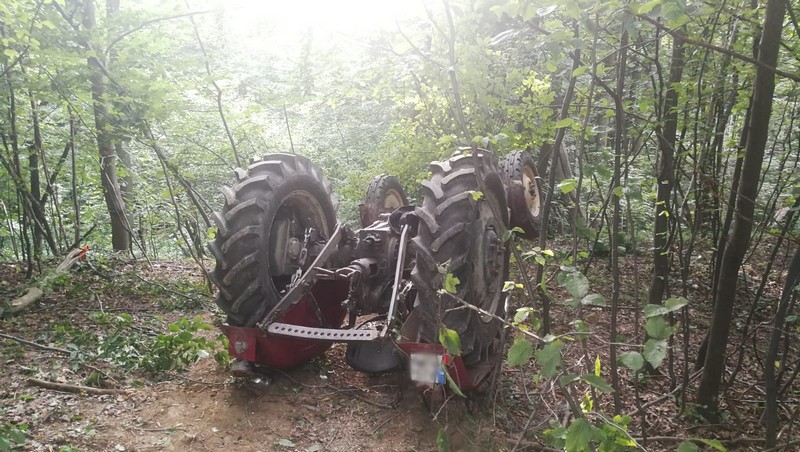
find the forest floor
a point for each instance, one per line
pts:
(102, 313)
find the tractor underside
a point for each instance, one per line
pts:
(293, 281)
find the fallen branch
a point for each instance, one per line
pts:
(18, 304)
(678, 439)
(35, 345)
(76, 389)
(33, 294)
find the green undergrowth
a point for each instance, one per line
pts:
(127, 319)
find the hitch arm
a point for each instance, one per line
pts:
(296, 292)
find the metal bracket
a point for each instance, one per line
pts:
(323, 334)
(295, 294)
(398, 275)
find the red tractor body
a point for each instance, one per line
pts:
(293, 281)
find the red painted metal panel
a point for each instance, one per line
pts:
(254, 345)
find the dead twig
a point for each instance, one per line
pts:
(35, 345)
(76, 389)
(375, 430)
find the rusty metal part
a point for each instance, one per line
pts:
(305, 282)
(398, 275)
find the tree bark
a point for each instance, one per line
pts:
(770, 382)
(120, 234)
(666, 175)
(725, 297)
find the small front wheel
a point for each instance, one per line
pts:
(384, 195)
(524, 193)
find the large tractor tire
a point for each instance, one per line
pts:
(464, 235)
(265, 217)
(384, 194)
(525, 193)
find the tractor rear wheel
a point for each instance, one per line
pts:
(461, 229)
(384, 195)
(261, 232)
(525, 193)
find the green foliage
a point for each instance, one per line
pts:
(450, 283)
(12, 436)
(129, 347)
(579, 435)
(450, 340)
(549, 358)
(582, 435)
(442, 441)
(178, 348)
(632, 360)
(520, 352)
(655, 350)
(597, 382)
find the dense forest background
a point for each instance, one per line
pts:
(665, 134)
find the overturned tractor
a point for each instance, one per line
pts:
(293, 281)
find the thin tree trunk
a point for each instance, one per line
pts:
(619, 115)
(666, 176)
(120, 234)
(725, 297)
(770, 382)
(73, 180)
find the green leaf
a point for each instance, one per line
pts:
(593, 299)
(619, 192)
(632, 360)
(442, 442)
(658, 328)
(649, 6)
(597, 367)
(541, 12)
(655, 351)
(567, 379)
(579, 434)
(508, 286)
(285, 443)
(476, 195)
(653, 310)
(450, 283)
(522, 314)
(687, 446)
(452, 384)
(679, 21)
(520, 352)
(713, 443)
(566, 122)
(577, 284)
(549, 358)
(567, 185)
(598, 383)
(451, 341)
(580, 71)
(675, 303)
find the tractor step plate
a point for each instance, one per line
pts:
(322, 334)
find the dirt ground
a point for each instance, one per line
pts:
(323, 405)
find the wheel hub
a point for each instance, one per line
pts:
(531, 191)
